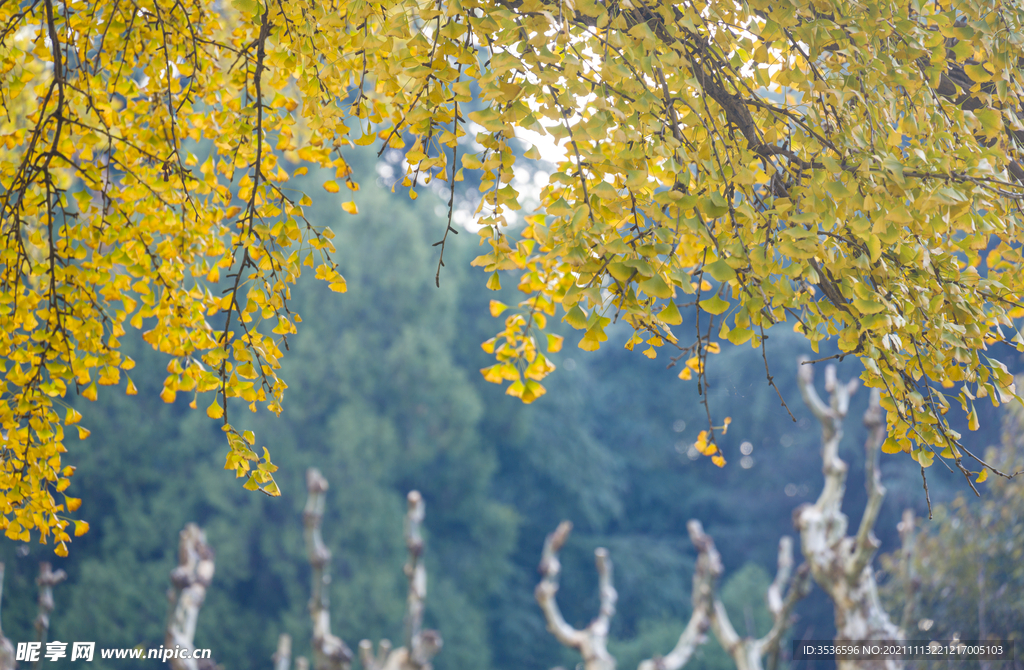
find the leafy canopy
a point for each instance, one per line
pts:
(848, 166)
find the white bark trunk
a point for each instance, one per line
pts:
(748, 653)
(424, 644)
(283, 655)
(841, 564)
(592, 641)
(705, 572)
(189, 580)
(329, 651)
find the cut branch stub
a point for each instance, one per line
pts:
(189, 579)
(329, 651)
(592, 641)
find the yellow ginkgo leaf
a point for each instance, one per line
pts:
(972, 419)
(72, 417)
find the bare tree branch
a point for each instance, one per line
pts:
(867, 544)
(417, 576)
(329, 651)
(831, 417)
(189, 581)
(782, 614)
(592, 641)
(708, 611)
(747, 653)
(373, 661)
(720, 624)
(420, 645)
(46, 581)
(706, 571)
(782, 575)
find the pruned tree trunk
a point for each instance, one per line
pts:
(747, 652)
(329, 651)
(841, 564)
(592, 641)
(189, 581)
(838, 563)
(6, 647)
(283, 654)
(707, 570)
(47, 579)
(420, 645)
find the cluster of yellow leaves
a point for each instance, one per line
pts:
(706, 448)
(849, 166)
(143, 152)
(511, 345)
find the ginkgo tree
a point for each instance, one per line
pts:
(849, 167)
